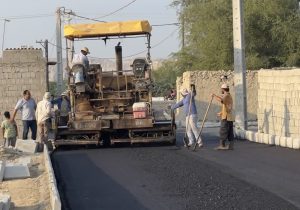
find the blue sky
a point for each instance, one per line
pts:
(26, 31)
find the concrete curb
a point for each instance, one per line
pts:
(2, 168)
(209, 124)
(5, 201)
(54, 195)
(263, 138)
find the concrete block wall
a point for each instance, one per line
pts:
(264, 138)
(208, 82)
(278, 103)
(21, 69)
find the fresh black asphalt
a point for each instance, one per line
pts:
(253, 176)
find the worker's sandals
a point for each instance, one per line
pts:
(221, 147)
(189, 144)
(185, 141)
(230, 146)
(200, 144)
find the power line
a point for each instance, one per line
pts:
(156, 45)
(113, 12)
(57, 46)
(26, 16)
(86, 18)
(154, 25)
(167, 24)
(96, 19)
(52, 46)
(163, 40)
(138, 53)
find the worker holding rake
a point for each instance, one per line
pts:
(190, 110)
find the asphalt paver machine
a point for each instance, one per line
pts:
(115, 106)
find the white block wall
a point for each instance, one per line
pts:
(263, 138)
(278, 110)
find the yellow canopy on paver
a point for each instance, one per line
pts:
(136, 27)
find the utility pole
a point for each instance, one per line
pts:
(5, 20)
(59, 67)
(182, 25)
(47, 65)
(182, 34)
(45, 45)
(239, 64)
(69, 43)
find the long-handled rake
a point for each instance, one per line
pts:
(203, 121)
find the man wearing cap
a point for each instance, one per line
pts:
(43, 116)
(81, 58)
(226, 129)
(191, 115)
(64, 106)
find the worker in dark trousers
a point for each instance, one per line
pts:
(226, 129)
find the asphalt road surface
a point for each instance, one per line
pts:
(253, 176)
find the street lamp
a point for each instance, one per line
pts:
(5, 20)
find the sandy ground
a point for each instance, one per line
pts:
(31, 193)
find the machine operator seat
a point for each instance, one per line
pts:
(139, 66)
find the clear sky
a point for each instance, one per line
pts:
(27, 30)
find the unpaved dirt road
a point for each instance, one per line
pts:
(29, 193)
(170, 177)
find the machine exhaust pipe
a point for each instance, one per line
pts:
(119, 59)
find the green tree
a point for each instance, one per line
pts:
(271, 33)
(164, 78)
(53, 87)
(272, 37)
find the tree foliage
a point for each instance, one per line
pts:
(272, 35)
(164, 78)
(53, 87)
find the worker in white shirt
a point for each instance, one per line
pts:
(43, 116)
(81, 58)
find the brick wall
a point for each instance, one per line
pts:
(208, 82)
(279, 102)
(21, 69)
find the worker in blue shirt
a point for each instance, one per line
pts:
(190, 111)
(64, 106)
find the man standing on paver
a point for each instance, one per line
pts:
(188, 102)
(43, 116)
(226, 129)
(81, 58)
(27, 106)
